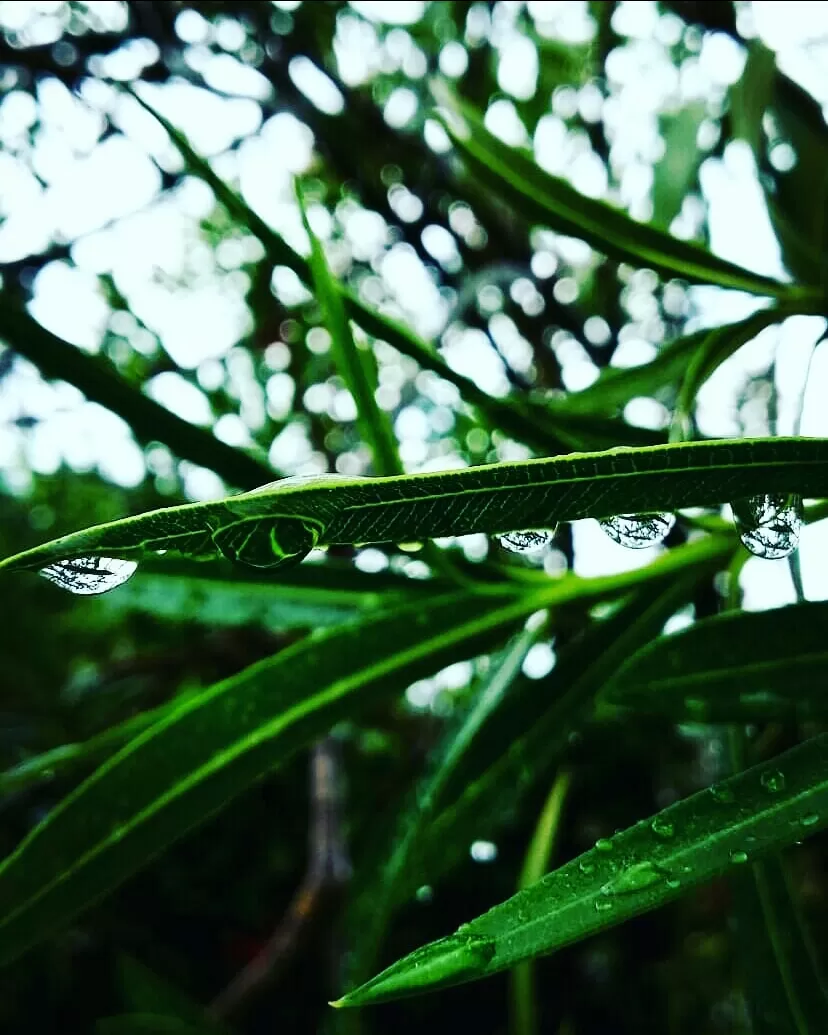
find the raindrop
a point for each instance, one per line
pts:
(662, 827)
(89, 576)
(810, 820)
(769, 525)
(527, 541)
(638, 531)
(603, 844)
(586, 867)
(724, 795)
(635, 878)
(738, 856)
(773, 781)
(673, 883)
(603, 904)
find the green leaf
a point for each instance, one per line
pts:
(282, 522)
(713, 832)
(218, 742)
(357, 368)
(99, 382)
(523, 420)
(784, 988)
(146, 993)
(785, 993)
(552, 201)
(513, 736)
(741, 666)
(303, 598)
(535, 866)
(675, 173)
(615, 387)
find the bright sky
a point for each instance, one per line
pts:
(104, 196)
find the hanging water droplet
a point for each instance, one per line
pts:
(662, 827)
(738, 856)
(603, 844)
(638, 531)
(89, 576)
(773, 781)
(810, 820)
(634, 878)
(769, 525)
(528, 541)
(602, 905)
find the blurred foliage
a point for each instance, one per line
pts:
(508, 285)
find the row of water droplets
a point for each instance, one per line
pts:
(768, 525)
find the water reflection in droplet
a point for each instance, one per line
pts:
(529, 541)
(89, 576)
(638, 531)
(769, 525)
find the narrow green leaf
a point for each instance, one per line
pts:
(149, 421)
(713, 832)
(356, 369)
(554, 202)
(785, 990)
(282, 522)
(303, 598)
(381, 889)
(219, 741)
(615, 387)
(535, 865)
(740, 666)
(531, 730)
(522, 420)
(784, 993)
(675, 173)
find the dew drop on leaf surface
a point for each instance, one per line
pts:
(89, 576)
(810, 820)
(635, 878)
(662, 827)
(773, 781)
(528, 541)
(769, 525)
(738, 856)
(638, 531)
(603, 844)
(602, 905)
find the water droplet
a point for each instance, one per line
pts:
(89, 576)
(722, 794)
(603, 844)
(602, 905)
(810, 820)
(586, 867)
(673, 883)
(424, 894)
(528, 541)
(773, 781)
(738, 856)
(769, 525)
(635, 878)
(662, 827)
(638, 531)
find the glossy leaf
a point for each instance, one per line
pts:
(552, 201)
(219, 741)
(740, 666)
(281, 523)
(713, 832)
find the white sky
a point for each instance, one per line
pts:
(105, 197)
